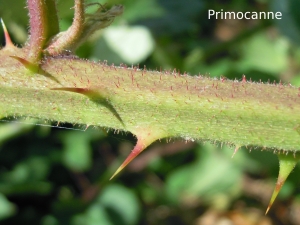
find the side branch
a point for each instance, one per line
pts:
(82, 27)
(43, 25)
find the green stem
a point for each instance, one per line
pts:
(238, 113)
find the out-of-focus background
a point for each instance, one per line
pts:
(53, 176)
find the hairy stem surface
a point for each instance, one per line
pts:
(239, 113)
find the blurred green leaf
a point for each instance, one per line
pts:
(103, 52)
(77, 150)
(115, 205)
(34, 187)
(212, 173)
(12, 129)
(133, 44)
(289, 25)
(140, 9)
(220, 67)
(121, 203)
(287, 190)
(263, 54)
(296, 80)
(32, 169)
(16, 19)
(7, 209)
(95, 215)
(178, 17)
(49, 220)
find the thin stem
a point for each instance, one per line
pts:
(66, 40)
(43, 25)
(83, 26)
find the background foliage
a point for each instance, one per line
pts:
(54, 176)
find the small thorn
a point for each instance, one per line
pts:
(244, 80)
(76, 90)
(34, 68)
(286, 165)
(8, 42)
(96, 95)
(235, 151)
(28, 65)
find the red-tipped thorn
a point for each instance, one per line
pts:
(28, 65)
(244, 80)
(97, 95)
(76, 90)
(235, 151)
(139, 147)
(145, 138)
(8, 42)
(286, 165)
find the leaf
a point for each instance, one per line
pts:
(115, 205)
(263, 54)
(133, 44)
(7, 208)
(121, 202)
(77, 150)
(200, 182)
(289, 24)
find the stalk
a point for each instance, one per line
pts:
(195, 108)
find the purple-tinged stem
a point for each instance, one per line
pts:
(43, 25)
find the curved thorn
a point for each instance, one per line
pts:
(139, 147)
(34, 68)
(145, 138)
(8, 42)
(286, 165)
(28, 65)
(95, 96)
